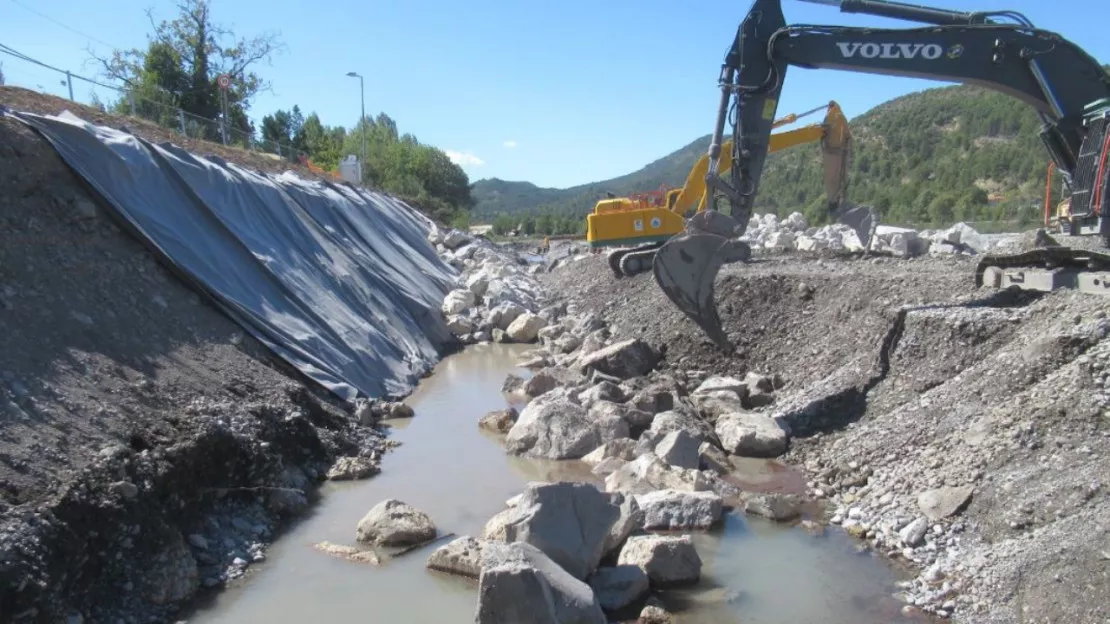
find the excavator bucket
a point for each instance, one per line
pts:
(686, 268)
(863, 219)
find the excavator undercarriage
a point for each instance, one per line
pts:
(999, 50)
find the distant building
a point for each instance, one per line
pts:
(350, 169)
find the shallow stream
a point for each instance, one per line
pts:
(754, 571)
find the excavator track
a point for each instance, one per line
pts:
(632, 261)
(1046, 269)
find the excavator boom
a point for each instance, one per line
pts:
(1066, 86)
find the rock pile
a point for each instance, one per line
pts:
(661, 444)
(495, 298)
(768, 232)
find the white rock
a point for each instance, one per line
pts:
(525, 327)
(751, 435)
(674, 509)
(666, 560)
(457, 301)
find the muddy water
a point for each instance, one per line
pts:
(754, 572)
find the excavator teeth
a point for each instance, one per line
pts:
(686, 268)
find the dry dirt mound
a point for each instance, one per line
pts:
(147, 446)
(962, 431)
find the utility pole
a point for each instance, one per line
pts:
(361, 121)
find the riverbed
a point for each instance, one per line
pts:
(754, 571)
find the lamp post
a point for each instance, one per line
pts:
(362, 131)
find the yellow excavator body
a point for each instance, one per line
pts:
(638, 220)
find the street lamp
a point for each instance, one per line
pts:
(362, 131)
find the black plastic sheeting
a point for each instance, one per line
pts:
(339, 281)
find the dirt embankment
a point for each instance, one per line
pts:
(148, 447)
(963, 432)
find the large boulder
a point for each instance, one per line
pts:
(722, 384)
(570, 522)
(466, 556)
(454, 239)
(630, 520)
(525, 327)
(682, 420)
(680, 449)
(394, 523)
(602, 391)
(500, 421)
(457, 301)
(674, 509)
(624, 360)
(501, 316)
(751, 435)
(636, 419)
(527, 587)
(621, 448)
(648, 473)
(619, 586)
(668, 561)
(552, 426)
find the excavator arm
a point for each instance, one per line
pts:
(832, 131)
(1053, 75)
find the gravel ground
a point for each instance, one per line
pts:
(148, 447)
(961, 432)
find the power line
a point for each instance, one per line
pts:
(57, 23)
(23, 57)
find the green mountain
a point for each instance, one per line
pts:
(930, 157)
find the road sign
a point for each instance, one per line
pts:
(224, 81)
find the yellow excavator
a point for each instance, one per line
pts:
(638, 225)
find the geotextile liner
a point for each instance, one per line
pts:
(340, 282)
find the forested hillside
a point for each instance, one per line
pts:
(939, 155)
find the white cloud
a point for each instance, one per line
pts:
(510, 144)
(464, 159)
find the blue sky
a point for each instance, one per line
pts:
(557, 92)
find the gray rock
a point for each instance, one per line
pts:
(126, 489)
(758, 382)
(675, 420)
(550, 378)
(500, 421)
(569, 522)
(648, 473)
(525, 327)
(634, 417)
(751, 435)
(673, 509)
(625, 359)
(774, 506)
(631, 519)
(731, 385)
(529, 588)
(653, 399)
(353, 468)
(943, 502)
(551, 426)
(621, 448)
(457, 301)
(713, 405)
(668, 561)
(394, 523)
(913, 534)
(466, 556)
(679, 448)
(604, 391)
(619, 586)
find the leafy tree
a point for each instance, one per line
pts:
(182, 60)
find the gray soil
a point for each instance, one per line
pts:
(148, 447)
(900, 379)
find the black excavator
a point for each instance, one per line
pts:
(997, 50)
